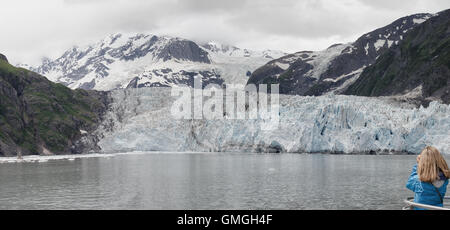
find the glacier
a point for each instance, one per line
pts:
(140, 120)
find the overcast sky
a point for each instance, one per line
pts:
(33, 29)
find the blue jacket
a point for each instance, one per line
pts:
(425, 193)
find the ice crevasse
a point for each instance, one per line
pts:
(140, 120)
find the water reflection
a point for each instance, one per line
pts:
(208, 181)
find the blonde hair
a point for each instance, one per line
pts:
(430, 163)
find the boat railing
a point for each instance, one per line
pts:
(411, 205)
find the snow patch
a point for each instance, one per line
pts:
(323, 58)
(379, 44)
(419, 20)
(283, 66)
(390, 42)
(344, 76)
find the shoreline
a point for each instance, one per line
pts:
(46, 158)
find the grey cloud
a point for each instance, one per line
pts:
(407, 5)
(47, 28)
(209, 6)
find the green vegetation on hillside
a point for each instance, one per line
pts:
(36, 113)
(421, 59)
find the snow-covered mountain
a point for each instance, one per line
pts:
(140, 120)
(334, 69)
(141, 60)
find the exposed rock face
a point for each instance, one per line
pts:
(184, 50)
(41, 117)
(166, 77)
(3, 57)
(418, 67)
(332, 70)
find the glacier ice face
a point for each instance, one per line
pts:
(140, 120)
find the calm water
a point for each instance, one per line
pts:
(208, 181)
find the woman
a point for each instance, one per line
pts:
(429, 178)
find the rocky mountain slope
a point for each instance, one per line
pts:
(333, 69)
(38, 116)
(419, 66)
(134, 61)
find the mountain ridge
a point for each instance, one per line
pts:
(142, 60)
(420, 64)
(314, 73)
